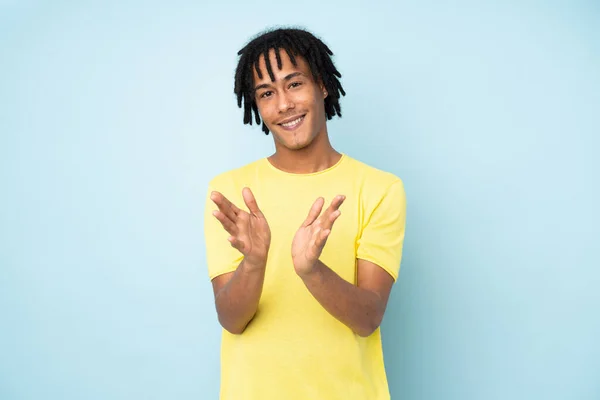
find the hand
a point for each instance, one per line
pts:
(250, 233)
(310, 239)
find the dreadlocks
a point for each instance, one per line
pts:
(295, 42)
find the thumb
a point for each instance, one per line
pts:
(250, 201)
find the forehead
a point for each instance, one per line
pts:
(287, 66)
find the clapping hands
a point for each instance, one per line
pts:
(251, 235)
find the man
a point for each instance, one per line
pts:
(303, 246)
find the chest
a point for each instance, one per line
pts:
(287, 207)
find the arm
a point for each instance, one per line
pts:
(237, 295)
(359, 307)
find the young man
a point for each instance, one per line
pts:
(303, 246)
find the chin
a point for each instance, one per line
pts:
(297, 144)
(288, 140)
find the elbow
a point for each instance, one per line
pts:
(234, 329)
(232, 326)
(369, 326)
(366, 331)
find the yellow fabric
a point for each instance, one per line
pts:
(293, 348)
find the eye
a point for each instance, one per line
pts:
(295, 84)
(265, 94)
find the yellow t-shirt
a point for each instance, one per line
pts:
(293, 348)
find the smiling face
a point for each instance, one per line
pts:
(292, 106)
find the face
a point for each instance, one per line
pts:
(292, 106)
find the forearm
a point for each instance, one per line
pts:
(237, 301)
(359, 309)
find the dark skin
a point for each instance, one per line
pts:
(304, 148)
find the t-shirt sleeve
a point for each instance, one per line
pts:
(221, 257)
(382, 237)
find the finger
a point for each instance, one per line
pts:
(314, 212)
(225, 206)
(319, 239)
(332, 213)
(322, 237)
(314, 239)
(236, 244)
(332, 217)
(228, 224)
(336, 203)
(333, 207)
(250, 201)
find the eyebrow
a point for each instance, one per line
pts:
(287, 78)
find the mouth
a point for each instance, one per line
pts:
(290, 125)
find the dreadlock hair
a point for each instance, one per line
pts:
(295, 42)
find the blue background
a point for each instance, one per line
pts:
(114, 116)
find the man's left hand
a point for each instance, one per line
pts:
(311, 237)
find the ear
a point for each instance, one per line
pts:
(323, 90)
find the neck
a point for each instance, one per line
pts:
(317, 156)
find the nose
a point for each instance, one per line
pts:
(285, 102)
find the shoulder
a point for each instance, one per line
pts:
(374, 180)
(381, 196)
(235, 177)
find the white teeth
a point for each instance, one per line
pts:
(292, 123)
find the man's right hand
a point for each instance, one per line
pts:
(250, 233)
